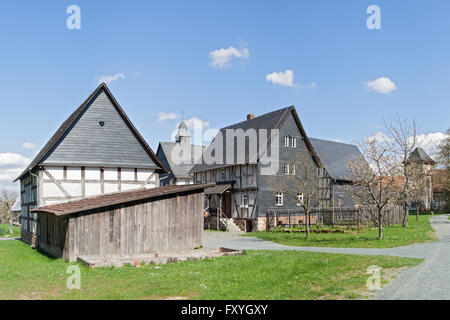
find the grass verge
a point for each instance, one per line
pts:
(27, 274)
(395, 236)
(4, 231)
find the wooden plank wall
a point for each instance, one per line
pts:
(170, 224)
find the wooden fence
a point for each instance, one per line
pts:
(334, 217)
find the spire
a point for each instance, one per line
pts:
(183, 133)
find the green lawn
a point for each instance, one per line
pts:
(4, 231)
(395, 236)
(27, 274)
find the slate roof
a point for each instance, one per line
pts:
(96, 202)
(268, 121)
(180, 170)
(419, 155)
(335, 157)
(73, 117)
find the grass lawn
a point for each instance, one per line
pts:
(395, 236)
(4, 231)
(27, 274)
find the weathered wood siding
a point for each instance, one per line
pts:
(167, 224)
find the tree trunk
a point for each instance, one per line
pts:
(380, 224)
(417, 213)
(307, 224)
(11, 226)
(405, 216)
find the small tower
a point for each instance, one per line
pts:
(420, 157)
(183, 134)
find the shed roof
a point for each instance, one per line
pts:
(90, 203)
(268, 121)
(66, 125)
(336, 156)
(218, 189)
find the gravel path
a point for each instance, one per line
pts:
(429, 280)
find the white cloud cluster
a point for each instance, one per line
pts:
(285, 78)
(11, 165)
(427, 141)
(110, 78)
(221, 58)
(164, 116)
(196, 123)
(29, 145)
(381, 85)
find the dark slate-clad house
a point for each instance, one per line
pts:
(246, 195)
(179, 157)
(335, 157)
(96, 151)
(421, 158)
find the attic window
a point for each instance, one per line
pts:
(101, 123)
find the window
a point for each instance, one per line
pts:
(286, 169)
(294, 142)
(293, 169)
(203, 177)
(245, 199)
(341, 201)
(299, 199)
(279, 199)
(286, 141)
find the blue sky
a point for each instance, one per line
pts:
(159, 52)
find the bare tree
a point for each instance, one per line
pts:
(443, 158)
(375, 180)
(303, 182)
(402, 137)
(7, 200)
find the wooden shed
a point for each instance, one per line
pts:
(160, 220)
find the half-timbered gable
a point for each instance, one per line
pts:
(97, 150)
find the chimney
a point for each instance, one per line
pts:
(250, 116)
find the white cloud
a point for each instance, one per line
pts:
(430, 142)
(164, 116)
(8, 175)
(285, 78)
(381, 85)
(380, 137)
(110, 78)
(13, 159)
(197, 123)
(28, 145)
(221, 58)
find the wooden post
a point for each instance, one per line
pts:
(289, 219)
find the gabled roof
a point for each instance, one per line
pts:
(268, 121)
(336, 156)
(180, 170)
(420, 156)
(107, 200)
(75, 115)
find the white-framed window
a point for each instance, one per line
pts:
(203, 177)
(299, 199)
(340, 201)
(294, 142)
(244, 200)
(286, 168)
(279, 199)
(286, 141)
(293, 169)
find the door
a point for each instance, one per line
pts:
(227, 204)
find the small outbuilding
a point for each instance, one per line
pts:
(149, 221)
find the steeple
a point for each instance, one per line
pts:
(183, 133)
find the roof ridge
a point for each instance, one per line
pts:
(258, 117)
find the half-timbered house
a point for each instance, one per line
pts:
(96, 151)
(244, 194)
